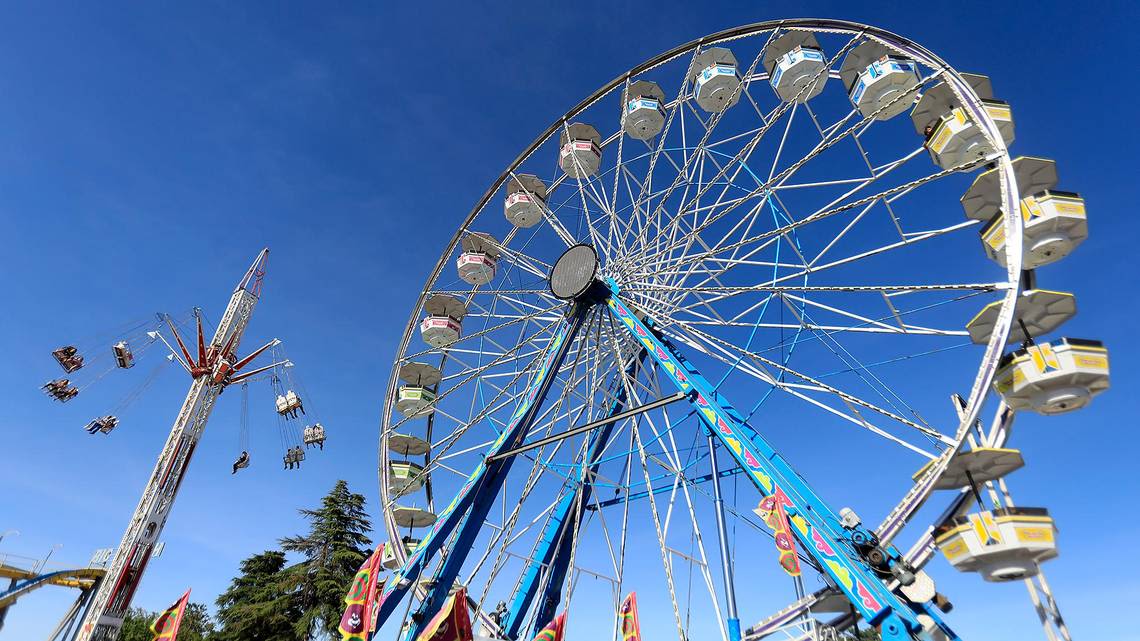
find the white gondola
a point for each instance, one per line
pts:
(580, 151)
(476, 264)
(525, 200)
(644, 105)
(1054, 221)
(123, 356)
(412, 516)
(1039, 311)
(289, 403)
(414, 398)
(407, 445)
(388, 558)
(1006, 544)
(952, 135)
(1053, 378)
(404, 477)
(715, 83)
(877, 79)
(974, 467)
(314, 435)
(797, 68)
(444, 321)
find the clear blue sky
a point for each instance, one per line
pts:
(148, 152)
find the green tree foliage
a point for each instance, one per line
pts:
(196, 625)
(258, 605)
(335, 547)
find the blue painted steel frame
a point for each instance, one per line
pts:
(467, 510)
(553, 548)
(814, 524)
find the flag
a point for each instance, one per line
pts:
(359, 599)
(553, 630)
(165, 627)
(452, 622)
(630, 624)
(771, 509)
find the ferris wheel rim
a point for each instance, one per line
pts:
(916, 496)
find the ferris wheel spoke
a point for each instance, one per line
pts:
(736, 351)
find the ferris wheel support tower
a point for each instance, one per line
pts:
(213, 368)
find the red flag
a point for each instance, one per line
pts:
(165, 627)
(452, 622)
(359, 599)
(553, 630)
(630, 624)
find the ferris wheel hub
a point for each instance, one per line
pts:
(574, 273)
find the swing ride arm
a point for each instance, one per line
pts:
(104, 616)
(463, 517)
(839, 551)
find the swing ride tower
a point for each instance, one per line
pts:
(212, 368)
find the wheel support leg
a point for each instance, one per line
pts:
(464, 515)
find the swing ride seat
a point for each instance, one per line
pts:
(580, 153)
(314, 434)
(476, 264)
(68, 358)
(644, 110)
(123, 356)
(715, 80)
(1005, 544)
(526, 196)
(61, 390)
(796, 64)
(877, 78)
(1053, 378)
(288, 402)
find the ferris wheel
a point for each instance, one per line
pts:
(739, 278)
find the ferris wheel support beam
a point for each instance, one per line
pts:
(553, 548)
(817, 527)
(105, 613)
(464, 516)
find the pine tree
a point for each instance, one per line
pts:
(258, 606)
(333, 550)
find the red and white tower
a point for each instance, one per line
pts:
(213, 368)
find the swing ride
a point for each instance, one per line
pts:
(213, 365)
(747, 216)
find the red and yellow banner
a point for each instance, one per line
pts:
(360, 599)
(630, 624)
(165, 627)
(771, 509)
(452, 622)
(553, 630)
